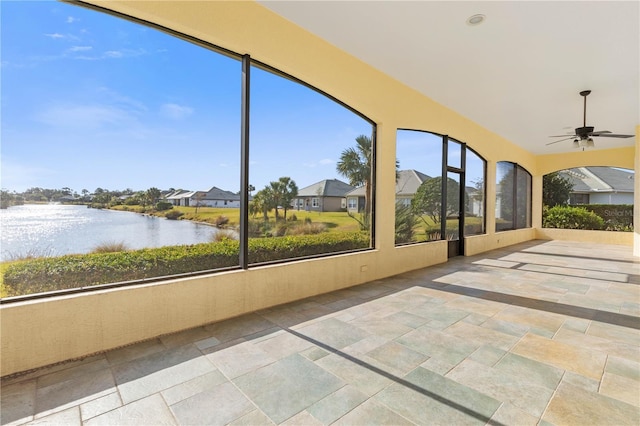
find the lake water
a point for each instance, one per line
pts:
(55, 229)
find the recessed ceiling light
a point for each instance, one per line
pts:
(476, 19)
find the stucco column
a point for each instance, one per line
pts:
(636, 197)
(490, 198)
(385, 187)
(536, 201)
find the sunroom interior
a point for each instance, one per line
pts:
(494, 87)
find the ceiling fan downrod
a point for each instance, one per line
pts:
(584, 94)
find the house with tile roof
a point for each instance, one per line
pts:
(600, 185)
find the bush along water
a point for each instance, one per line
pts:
(82, 270)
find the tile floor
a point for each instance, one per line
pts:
(542, 333)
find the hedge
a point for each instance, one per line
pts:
(566, 217)
(617, 217)
(83, 270)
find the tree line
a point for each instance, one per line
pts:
(100, 196)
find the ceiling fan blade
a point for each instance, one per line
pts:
(561, 140)
(611, 135)
(596, 133)
(562, 136)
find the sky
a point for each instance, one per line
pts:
(89, 100)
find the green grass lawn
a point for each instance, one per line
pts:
(334, 221)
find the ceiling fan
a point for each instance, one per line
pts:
(583, 136)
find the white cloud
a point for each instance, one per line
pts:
(113, 54)
(71, 20)
(80, 48)
(58, 36)
(115, 98)
(175, 111)
(84, 116)
(323, 162)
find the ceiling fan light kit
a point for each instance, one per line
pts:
(583, 135)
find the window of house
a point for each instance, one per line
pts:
(513, 197)
(97, 110)
(576, 199)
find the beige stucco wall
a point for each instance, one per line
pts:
(46, 331)
(602, 237)
(636, 196)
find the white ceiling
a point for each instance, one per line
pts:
(518, 74)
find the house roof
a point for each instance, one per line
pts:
(326, 188)
(407, 184)
(175, 195)
(409, 181)
(216, 193)
(599, 179)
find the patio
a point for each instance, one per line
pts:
(545, 332)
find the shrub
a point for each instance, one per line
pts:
(32, 253)
(173, 214)
(566, 217)
(281, 229)
(258, 228)
(73, 271)
(224, 234)
(293, 218)
(163, 205)
(294, 246)
(307, 229)
(405, 223)
(110, 247)
(617, 217)
(221, 221)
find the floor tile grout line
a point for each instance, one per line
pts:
(394, 378)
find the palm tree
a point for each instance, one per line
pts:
(355, 165)
(288, 190)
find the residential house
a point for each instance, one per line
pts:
(216, 197)
(407, 183)
(177, 197)
(184, 198)
(328, 195)
(600, 185)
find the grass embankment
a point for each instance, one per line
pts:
(334, 221)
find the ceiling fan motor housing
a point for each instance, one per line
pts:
(584, 132)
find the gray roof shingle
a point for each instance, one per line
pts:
(326, 188)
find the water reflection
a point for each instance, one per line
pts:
(54, 230)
